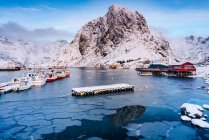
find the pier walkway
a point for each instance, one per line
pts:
(94, 90)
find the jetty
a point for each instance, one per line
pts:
(177, 70)
(94, 90)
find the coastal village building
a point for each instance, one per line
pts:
(179, 70)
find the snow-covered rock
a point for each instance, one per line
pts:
(206, 106)
(192, 110)
(120, 35)
(200, 123)
(194, 113)
(204, 119)
(185, 118)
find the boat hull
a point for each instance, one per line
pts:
(38, 83)
(22, 88)
(60, 77)
(51, 79)
(67, 75)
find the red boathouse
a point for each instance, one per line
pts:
(183, 70)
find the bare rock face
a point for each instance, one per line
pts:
(121, 34)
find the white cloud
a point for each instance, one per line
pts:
(15, 31)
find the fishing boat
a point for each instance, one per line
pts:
(60, 74)
(24, 85)
(67, 73)
(9, 87)
(3, 84)
(36, 79)
(51, 77)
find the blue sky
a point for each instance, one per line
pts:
(175, 18)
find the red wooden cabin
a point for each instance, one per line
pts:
(185, 69)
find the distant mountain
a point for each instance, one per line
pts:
(120, 35)
(27, 53)
(194, 49)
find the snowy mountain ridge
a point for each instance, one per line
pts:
(121, 35)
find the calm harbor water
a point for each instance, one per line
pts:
(150, 112)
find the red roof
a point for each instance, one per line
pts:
(187, 63)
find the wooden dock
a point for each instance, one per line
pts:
(94, 90)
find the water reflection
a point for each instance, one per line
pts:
(109, 127)
(126, 114)
(113, 126)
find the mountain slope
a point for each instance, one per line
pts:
(194, 49)
(120, 35)
(27, 53)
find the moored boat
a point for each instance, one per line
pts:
(67, 73)
(3, 84)
(60, 74)
(9, 88)
(24, 85)
(36, 79)
(51, 77)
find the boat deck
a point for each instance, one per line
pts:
(94, 90)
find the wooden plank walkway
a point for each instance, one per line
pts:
(94, 90)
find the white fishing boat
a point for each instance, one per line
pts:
(36, 79)
(24, 85)
(3, 84)
(9, 87)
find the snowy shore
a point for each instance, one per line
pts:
(203, 71)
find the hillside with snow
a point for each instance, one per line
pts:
(27, 53)
(120, 35)
(194, 49)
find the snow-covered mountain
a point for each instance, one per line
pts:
(120, 35)
(194, 49)
(27, 53)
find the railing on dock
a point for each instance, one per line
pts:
(94, 90)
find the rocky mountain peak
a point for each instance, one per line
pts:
(108, 31)
(120, 29)
(118, 16)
